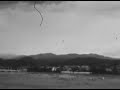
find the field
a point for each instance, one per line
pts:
(10, 80)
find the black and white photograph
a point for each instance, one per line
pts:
(59, 44)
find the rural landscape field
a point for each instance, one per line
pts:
(10, 80)
(59, 45)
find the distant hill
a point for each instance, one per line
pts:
(66, 56)
(96, 62)
(87, 61)
(53, 59)
(10, 56)
(50, 56)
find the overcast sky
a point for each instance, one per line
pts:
(68, 27)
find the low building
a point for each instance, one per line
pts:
(108, 70)
(85, 68)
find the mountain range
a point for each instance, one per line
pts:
(17, 61)
(54, 56)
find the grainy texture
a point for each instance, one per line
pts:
(51, 81)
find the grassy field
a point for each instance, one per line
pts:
(49, 81)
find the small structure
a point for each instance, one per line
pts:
(85, 68)
(108, 69)
(54, 69)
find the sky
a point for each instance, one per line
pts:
(68, 27)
